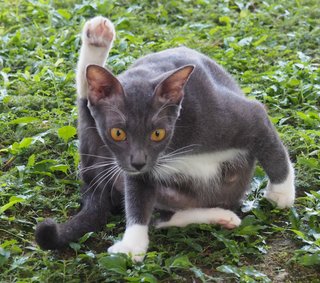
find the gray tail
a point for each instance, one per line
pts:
(92, 217)
(51, 236)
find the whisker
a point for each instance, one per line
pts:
(101, 176)
(111, 177)
(90, 186)
(106, 175)
(100, 156)
(158, 172)
(155, 172)
(163, 107)
(159, 119)
(117, 111)
(104, 163)
(166, 166)
(91, 128)
(96, 187)
(93, 167)
(102, 179)
(185, 147)
(115, 172)
(174, 155)
(114, 182)
(178, 152)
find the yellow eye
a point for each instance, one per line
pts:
(158, 135)
(118, 134)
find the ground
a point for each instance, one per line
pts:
(271, 47)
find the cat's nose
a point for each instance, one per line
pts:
(138, 160)
(138, 166)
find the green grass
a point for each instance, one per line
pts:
(271, 47)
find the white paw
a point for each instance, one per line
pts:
(162, 224)
(134, 243)
(282, 196)
(229, 220)
(223, 217)
(136, 253)
(98, 32)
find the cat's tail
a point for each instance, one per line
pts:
(96, 207)
(51, 236)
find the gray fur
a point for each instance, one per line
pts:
(209, 115)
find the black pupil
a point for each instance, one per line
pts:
(118, 133)
(157, 133)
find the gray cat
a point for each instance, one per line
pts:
(174, 133)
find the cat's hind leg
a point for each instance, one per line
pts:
(283, 194)
(216, 215)
(274, 158)
(97, 37)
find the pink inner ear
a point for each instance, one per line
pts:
(101, 84)
(172, 87)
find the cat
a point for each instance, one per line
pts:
(173, 133)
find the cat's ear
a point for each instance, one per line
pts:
(171, 88)
(102, 84)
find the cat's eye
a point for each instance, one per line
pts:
(158, 135)
(118, 134)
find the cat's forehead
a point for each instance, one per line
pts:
(141, 88)
(138, 97)
(139, 81)
(138, 109)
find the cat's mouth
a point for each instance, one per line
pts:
(135, 172)
(135, 169)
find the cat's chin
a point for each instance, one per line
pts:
(135, 173)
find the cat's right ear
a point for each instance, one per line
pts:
(102, 85)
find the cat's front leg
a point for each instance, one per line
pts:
(97, 37)
(134, 243)
(139, 204)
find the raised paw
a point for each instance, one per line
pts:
(135, 252)
(98, 32)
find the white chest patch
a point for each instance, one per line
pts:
(202, 167)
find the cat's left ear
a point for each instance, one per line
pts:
(171, 88)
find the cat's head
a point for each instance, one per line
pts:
(135, 118)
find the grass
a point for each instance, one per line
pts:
(271, 47)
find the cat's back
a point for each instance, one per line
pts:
(206, 70)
